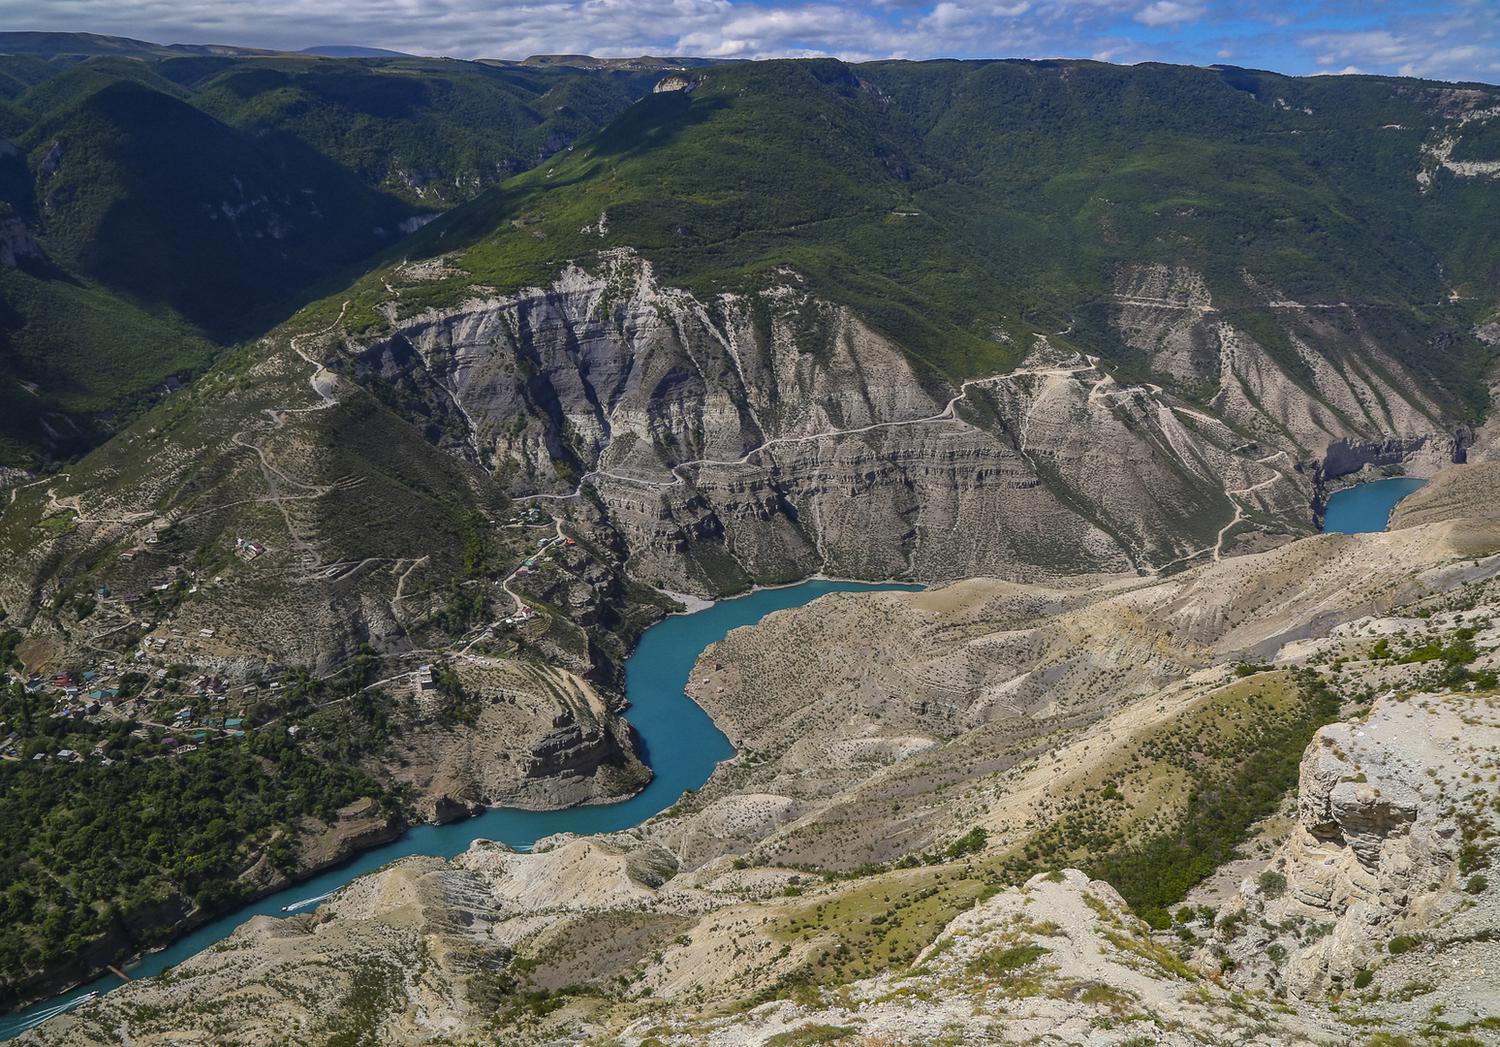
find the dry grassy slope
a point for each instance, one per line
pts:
(343, 495)
(1473, 492)
(874, 726)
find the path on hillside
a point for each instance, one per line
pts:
(948, 413)
(1239, 508)
(323, 382)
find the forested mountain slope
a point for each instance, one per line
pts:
(196, 195)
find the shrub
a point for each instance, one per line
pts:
(1156, 918)
(1005, 959)
(971, 842)
(1271, 883)
(1402, 943)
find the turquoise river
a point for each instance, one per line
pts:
(1366, 507)
(676, 738)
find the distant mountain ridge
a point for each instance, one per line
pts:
(198, 194)
(90, 44)
(353, 51)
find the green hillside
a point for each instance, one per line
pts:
(946, 200)
(186, 198)
(207, 193)
(431, 131)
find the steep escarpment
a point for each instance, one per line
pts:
(534, 737)
(1322, 387)
(766, 436)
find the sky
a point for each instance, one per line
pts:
(1441, 39)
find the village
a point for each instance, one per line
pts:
(156, 677)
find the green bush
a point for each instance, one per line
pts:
(1156, 918)
(1403, 943)
(1007, 958)
(1271, 883)
(971, 842)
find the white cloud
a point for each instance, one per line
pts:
(1169, 12)
(1445, 38)
(1462, 45)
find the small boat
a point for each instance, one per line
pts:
(34, 1020)
(305, 902)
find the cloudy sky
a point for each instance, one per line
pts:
(1447, 39)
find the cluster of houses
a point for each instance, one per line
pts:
(191, 731)
(72, 695)
(99, 695)
(154, 698)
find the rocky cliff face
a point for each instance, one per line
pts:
(772, 435)
(540, 738)
(1331, 395)
(1384, 878)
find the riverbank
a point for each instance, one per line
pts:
(687, 745)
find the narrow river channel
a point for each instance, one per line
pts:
(677, 739)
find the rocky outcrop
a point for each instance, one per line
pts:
(540, 737)
(1060, 956)
(1388, 854)
(1162, 312)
